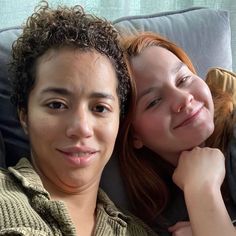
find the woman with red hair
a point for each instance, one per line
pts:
(175, 142)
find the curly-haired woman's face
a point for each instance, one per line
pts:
(174, 109)
(73, 117)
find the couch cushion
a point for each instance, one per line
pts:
(16, 144)
(203, 33)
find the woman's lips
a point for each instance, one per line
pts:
(78, 156)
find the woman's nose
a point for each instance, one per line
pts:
(79, 125)
(180, 100)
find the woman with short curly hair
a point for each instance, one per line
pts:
(71, 88)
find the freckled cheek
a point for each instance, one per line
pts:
(109, 131)
(41, 127)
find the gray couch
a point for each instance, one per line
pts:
(203, 33)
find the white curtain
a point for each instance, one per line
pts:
(15, 12)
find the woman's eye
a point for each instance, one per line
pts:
(100, 109)
(56, 105)
(183, 80)
(153, 103)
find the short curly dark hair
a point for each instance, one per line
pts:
(64, 27)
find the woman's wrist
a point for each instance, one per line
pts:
(207, 211)
(206, 194)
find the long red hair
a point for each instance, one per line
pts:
(146, 176)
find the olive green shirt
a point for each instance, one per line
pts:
(26, 209)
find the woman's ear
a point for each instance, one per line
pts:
(23, 119)
(137, 142)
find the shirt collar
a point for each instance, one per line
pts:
(30, 180)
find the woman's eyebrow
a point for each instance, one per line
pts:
(66, 92)
(61, 91)
(145, 92)
(102, 95)
(178, 66)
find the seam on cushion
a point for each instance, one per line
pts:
(159, 14)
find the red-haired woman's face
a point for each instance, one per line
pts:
(174, 108)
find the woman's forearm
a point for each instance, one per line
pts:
(207, 212)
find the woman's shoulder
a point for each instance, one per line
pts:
(7, 174)
(10, 188)
(20, 202)
(18, 183)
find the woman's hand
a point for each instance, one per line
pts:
(181, 228)
(200, 173)
(200, 168)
